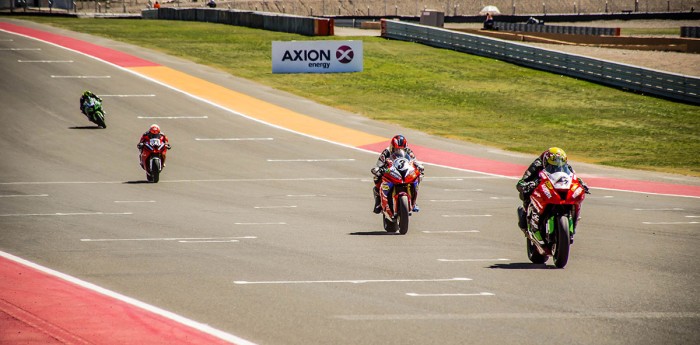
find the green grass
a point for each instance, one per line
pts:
(650, 31)
(446, 93)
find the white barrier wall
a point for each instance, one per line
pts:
(317, 56)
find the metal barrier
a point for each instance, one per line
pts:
(258, 20)
(668, 85)
(557, 29)
(690, 31)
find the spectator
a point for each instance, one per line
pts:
(156, 5)
(488, 23)
(211, 4)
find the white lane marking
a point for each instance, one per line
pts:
(81, 76)
(362, 281)
(692, 216)
(463, 190)
(501, 198)
(46, 61)
(172, 117)
(465, 215)
(313, 160)
(233, 139)
(209, 241)
(277, 223)
(20, 49)
(413, 294)
(305, 195)
(669, 223)
(281, 206)
(6, 39)
(133, 201)
(164, 239)
(22, 195)
(659, 209)
(453, 200)
(121, 96)
(65, 214)
(134, 302)
(471, 260)
(538, 315)
(448, 231)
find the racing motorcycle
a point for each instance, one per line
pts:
(94, 112)
(152, 158)
(552, 216)
(398, 191)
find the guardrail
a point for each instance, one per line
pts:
(557, 29)
(690, 31)
(667, 85)
(309, 26)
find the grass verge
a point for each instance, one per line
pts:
(447, 93)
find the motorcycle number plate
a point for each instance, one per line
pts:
(155, 142)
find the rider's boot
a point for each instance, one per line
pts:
(377, 207)
(416, 208)
(522, 219)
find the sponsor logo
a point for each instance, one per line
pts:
(344, 54)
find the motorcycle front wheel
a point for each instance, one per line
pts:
(403, 215)
(155, 170)
(560, 249)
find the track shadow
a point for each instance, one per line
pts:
(374, 233)
(519, 266)
(137, 182)
(85, 127)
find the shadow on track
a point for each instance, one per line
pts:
(137, 182)
(374, 233)
(85, 127)
(519, 266)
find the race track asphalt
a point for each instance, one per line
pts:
(268, 235)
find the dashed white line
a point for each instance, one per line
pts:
(165, 239)
(233, 139)
(313, 160)
(46, 61)
(22, 195)
(134, 201)
(356, 281)
(172, 117)
(453, 200)
(281, 206)
(13, 49)
(413, 294)
(273, 223)
(463, 190)
(81, 76)
(532, 316)
(305, 195)
(669, 223)
(448, 231)
(471, 260)
(658, 209)
(208, 241)
(66, 214)
(692, 216)
(121, 96)
(465, 215)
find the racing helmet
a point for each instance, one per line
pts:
(87, 93)
(155, 129)
(398, 142)
(555, 157)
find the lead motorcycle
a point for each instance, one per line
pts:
(93, 111)
(398, 191)
(152, 153)
(555, 205)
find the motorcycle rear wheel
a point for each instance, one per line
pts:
(560, 249)
(403, 215)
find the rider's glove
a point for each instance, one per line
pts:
(167, 146)
(139, 146)
(529, 187)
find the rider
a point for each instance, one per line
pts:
(398, 142)
(552, 156)
(84, 100)
(152, 133)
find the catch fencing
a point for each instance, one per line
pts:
(690, 31)
(667, 85)
(268, 21)
(557, 29)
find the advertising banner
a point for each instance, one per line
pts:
(316, 56)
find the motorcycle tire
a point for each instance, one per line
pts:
(100, 119)
(155, 170)
(403, 215)
(560, 248)
(532, 253)
(389, 225)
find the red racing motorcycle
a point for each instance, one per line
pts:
(398, 191)
(152, 153)
(552, 216)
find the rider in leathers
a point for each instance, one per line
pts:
(152, 133)
(398, 142)
(530, 180)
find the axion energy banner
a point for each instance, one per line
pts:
(316, 56)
